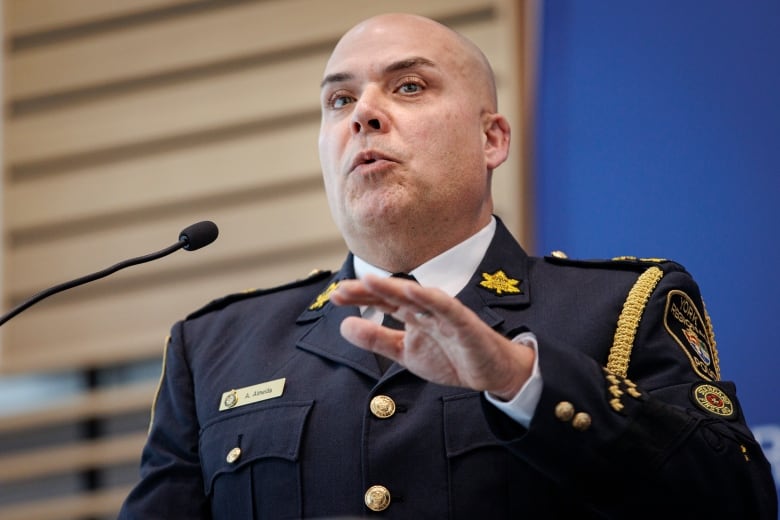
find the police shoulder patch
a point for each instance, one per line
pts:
(221, 303)
(712, 399)
(691, 331)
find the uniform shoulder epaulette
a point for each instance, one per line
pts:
(221, 303)
(632, 263)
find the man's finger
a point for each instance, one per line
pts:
(372, 336)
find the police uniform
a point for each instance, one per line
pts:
(265, 411)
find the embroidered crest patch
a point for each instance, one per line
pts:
(712, 399)
(685, 324)
(500, 283)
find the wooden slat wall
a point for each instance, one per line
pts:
(127, 120)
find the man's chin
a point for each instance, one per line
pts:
(379, 218)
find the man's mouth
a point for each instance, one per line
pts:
(368, 157)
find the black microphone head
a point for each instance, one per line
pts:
(198, 235)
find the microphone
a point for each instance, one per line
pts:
(198, 235)
(191, 238)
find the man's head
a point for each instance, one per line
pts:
(409, 139)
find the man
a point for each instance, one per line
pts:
(522, 387)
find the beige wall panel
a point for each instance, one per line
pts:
(102, 453)
(278, 90)
(155, 48)
(63, 409)
(213, 169)
(126, 326)
(484, 34)
(248, 229)
(100, 504)
(239, 97)
(27, 16)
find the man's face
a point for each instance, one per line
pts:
(402, 134)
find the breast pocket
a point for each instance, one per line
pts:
(250, 462)
(485, 479)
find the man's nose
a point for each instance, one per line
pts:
(369, 114)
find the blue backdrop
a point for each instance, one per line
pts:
(659, 136)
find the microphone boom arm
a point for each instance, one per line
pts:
(191, 238)
(91, 277)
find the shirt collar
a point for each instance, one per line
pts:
(451, 270)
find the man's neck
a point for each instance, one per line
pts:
(404, 252)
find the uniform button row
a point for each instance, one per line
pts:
(565, 412)
(377, 498)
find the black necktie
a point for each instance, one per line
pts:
(391, 323)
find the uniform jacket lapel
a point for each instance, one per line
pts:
(485, 297)
(321, 335)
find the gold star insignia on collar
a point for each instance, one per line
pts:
(500, 283)
(323, 298)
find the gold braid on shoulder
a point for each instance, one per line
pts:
(628, 322)
(711, 334)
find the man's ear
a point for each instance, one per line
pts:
(497, 137)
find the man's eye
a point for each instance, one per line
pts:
(341, 101)
(410, 87)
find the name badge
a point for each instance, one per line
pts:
(251, 394)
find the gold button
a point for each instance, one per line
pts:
(581, 421)
(382, 406)
(233, 455)
(564, 411)
(377, 498)
(559, 254)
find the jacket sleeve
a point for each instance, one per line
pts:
(662, 438)
(171, 484)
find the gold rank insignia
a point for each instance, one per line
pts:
(712, 399)
(323, 298)
(500, 283)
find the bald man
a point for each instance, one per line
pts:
(491, 384)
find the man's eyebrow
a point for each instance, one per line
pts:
(337, 77)
(408, 63)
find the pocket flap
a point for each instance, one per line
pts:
(465, 426)
(236, 441)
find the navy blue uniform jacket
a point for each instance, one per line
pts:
(652, 440)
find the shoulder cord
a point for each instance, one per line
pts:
(628, 322)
